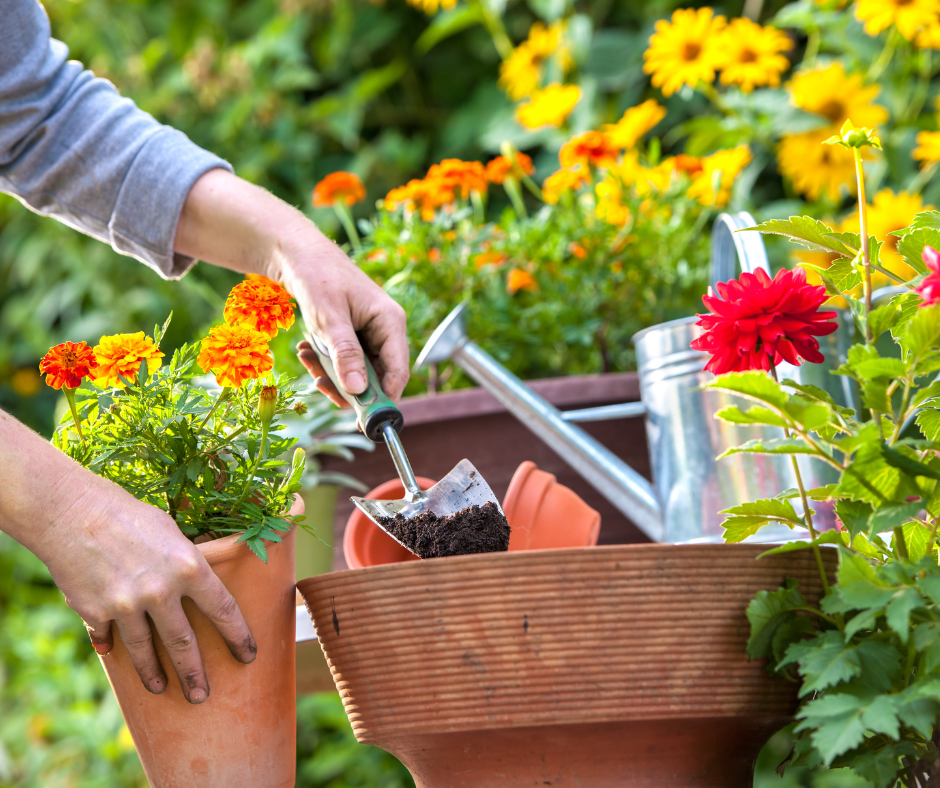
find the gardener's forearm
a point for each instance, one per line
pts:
(231, 223)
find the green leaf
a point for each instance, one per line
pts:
(923, 331)
(768, 507)
(883, 318)
(887, 517)
(767, 612)
(839, 722)
(735, 415)
(911, 247)
(828, 537)
(854, 516)
(771, 446)
(907, 464)
(858, 586)
(737, 529)
(449, 23)
(875, 395)
(864, 620)
(898, 613)
(824, 661)
(808, 232)
(753, 385)
(929, 422)
(881, 665)
(916, 537)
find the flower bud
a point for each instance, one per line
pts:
(267, 402)
(300, 408)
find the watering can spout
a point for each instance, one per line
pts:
(626, 489)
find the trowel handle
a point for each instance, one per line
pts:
(372, 407)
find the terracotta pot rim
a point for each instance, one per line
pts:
(228, 547)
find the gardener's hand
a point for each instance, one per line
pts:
(229, 222)
(117, 560)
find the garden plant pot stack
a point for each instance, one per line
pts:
(613, 666)
(244, 735)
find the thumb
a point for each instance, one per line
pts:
(347, 355)
(100, 635)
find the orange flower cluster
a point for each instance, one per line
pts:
(260, 303)
(564, 181)
(592, 147)
(121, 355)
(501, 168)
(235, 354)
(338, 187)
(68, 364)
(443, 185)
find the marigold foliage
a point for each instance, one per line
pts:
(260, 303)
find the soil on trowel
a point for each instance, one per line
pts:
(476, 529)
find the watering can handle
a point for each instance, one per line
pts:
(730, 247)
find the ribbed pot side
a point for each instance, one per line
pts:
(244, 735)
(601, 667)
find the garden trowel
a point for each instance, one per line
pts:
(381, 421)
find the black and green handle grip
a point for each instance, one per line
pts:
(372, 407)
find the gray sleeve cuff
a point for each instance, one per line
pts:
(143, 223)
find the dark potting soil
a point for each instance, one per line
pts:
(476, 529)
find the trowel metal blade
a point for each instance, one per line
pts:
(462, 487)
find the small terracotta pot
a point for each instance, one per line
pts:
(244, 735)
(543, 513)
(364, 543)
(622, 666)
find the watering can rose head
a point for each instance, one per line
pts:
(759, 322)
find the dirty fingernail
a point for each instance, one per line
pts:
(197, 695)
(156, 686)
(355, 383)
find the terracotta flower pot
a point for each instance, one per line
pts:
(543, 513)
(364, 543)
(615, 666)
(244, 735)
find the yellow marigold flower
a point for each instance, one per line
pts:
(636, 121)
(685, 50)
(518, 279)
(610, 207)
(723, 167)
(928, 148)
(563, 181)
(908, 16)
(338, 187)
(813, 168)
(432, 6)
(235, 354)
(260, 303)
(591, 147)
(888, 213)
(519, 73)
(121, 355)
(549, 107)
(750, 55)
(837, 96)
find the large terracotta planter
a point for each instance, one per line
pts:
(244, 735)
(612, 666)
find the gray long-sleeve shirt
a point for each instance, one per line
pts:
(71, 147)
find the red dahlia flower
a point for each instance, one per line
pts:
(929, 289)
(759, 322)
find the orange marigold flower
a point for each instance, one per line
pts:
(454, 174)
(235, 354)
(421, 195)
(489, 257)
(120, 356)
(260, 303)
(592, 147)
(563, 181)
(338, 187)
(518, 279)
(66, 365)
(577, 250)
(501, 168)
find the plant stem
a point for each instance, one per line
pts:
(223, 394)
(863, 232)
(254, 469)
(70, 397)
(812, 48)
(496, 29)
(345, 218)
(900, 545)
(511, 185)
(881, 63)
(922, 178)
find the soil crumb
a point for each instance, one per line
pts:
(476, 529)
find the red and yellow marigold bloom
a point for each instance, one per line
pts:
(563, 181)
(121, 355)
(591, 147)
(337, 187)
(519, 279)
(235, 353)
(459, 177)
(260, 303)
(66, 365)
(759, 322)
(500, 168)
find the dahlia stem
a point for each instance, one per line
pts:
(806, 510)
(70, 397)
(863, 232)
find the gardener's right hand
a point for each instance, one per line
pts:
(117, 560)
(125, 563)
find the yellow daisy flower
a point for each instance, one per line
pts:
(432, 6)
(636, 121)
(908, 16)
(837, 96)
(519, 73)
(888, 213)
(726, 165)
(549, 107)
(928, 148)
(929, 37)
(813, 168)
(685, 50)
(750, 55)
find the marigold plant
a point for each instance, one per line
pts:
(261, 304)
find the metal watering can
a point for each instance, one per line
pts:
(690, 486)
